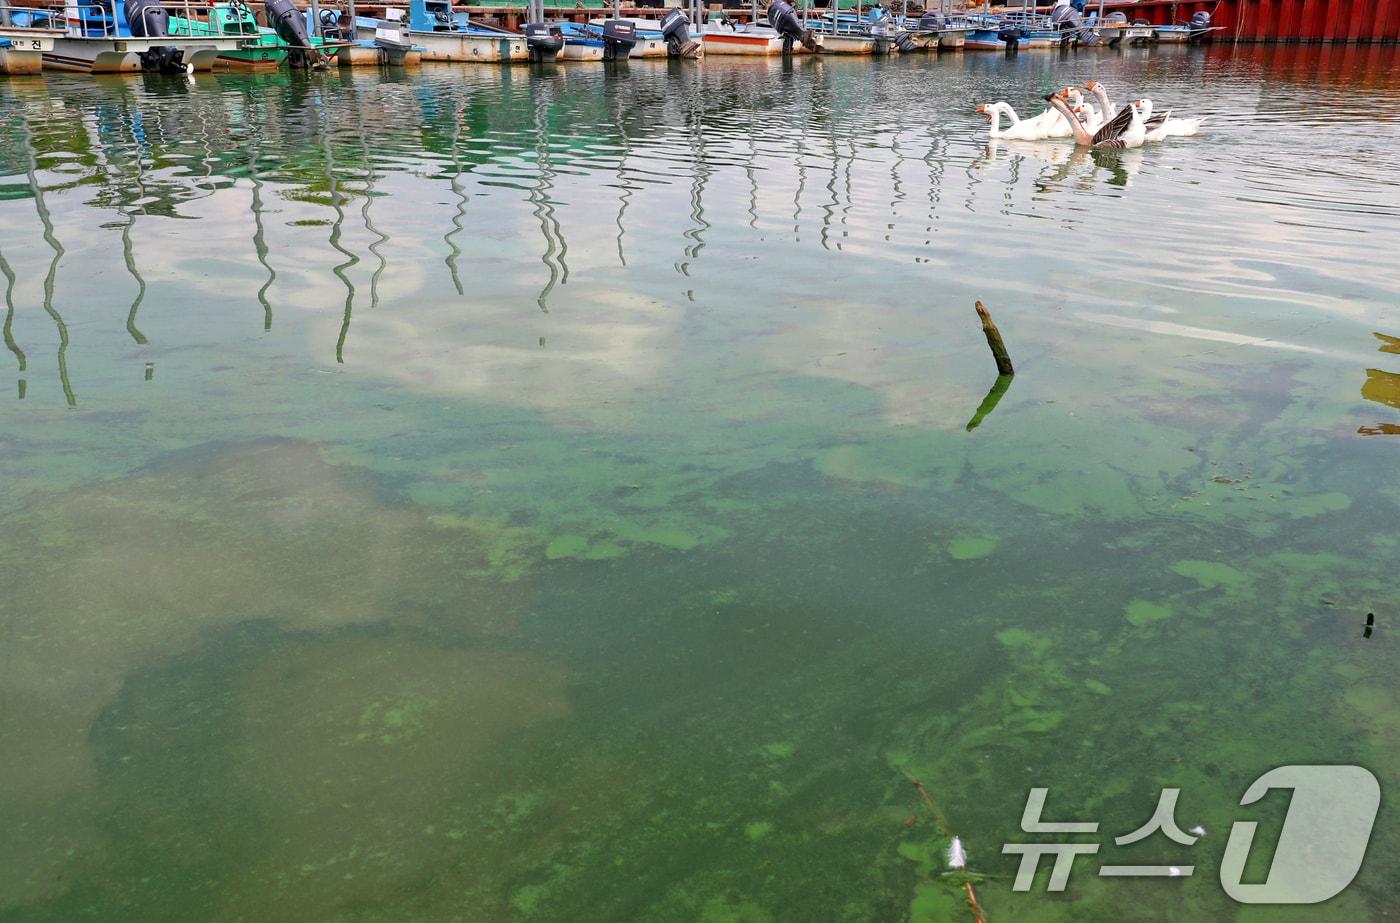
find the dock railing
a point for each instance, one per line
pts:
(39, 19)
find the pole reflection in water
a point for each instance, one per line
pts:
(260, 247)
(624, 198)
(457, 220)
(130, 122)
(556, 248)
(341, 270)
(8, 272)
(379, 237)
(699, 173)
(50, 277)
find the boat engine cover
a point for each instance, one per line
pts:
(543, 40)
(619, 38)
(147, 18)
(785, 21)
(288, 22)
(783, 18)
(675, 29)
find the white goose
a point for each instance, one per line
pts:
(1165, 126)
(1053, 122)
(1018, 130)
(1107, 108)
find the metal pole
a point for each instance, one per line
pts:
(315, 19)
(354, 27)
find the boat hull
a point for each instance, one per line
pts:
(575, 50)
(22, 50)
(650, 48)
(18, 62)
(458, 47)
(252, 58)
(984, 40)
(845, 44)
(744, 43)
(1172, 35)
(1120, 34)
(954, 39)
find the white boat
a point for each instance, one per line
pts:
(743, 39)
(98, 39)
(844, 43)
(650, 42)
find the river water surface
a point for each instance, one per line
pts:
(496, 494)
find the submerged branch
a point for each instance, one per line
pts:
(974, 905)
(995, 342)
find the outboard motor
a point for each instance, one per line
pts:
(1011, 36)
(148, 19)
(784, 20)
(1071, 25)
(675, 28)
(544, 41)
(290, 25)
(619, 38)
(1200, 25)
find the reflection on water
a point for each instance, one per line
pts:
(1383, 388)
(388, 611)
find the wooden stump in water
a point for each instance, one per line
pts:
(998, 346)
(994, 340)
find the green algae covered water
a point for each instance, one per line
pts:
(498, 494)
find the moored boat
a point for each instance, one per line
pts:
(1172, 35)
(726, 37)
(1115, 30)
(258, 49)
(133, 35)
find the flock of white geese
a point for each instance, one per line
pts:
(1070, 115)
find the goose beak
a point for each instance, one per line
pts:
(1090, 85)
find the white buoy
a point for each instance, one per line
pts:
(957, 856)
